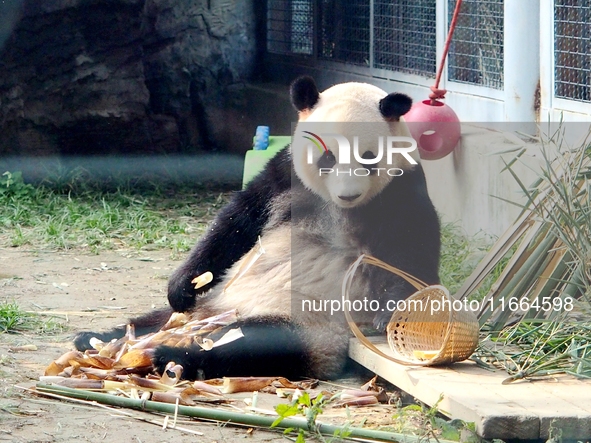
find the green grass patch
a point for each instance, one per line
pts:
(460, 254)
(84, 217)
(14, 319)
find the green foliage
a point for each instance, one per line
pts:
(11, 317)
(545, 291)
(556, 261)
(428, 423)
(12, 187)
(459, 255)
(542, 348)
(302, 405)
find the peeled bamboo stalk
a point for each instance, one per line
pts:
(523, 278)
(232, 417)
(549, 280)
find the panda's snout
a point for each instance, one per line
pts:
(349, 198)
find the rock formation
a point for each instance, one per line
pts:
(124, 76)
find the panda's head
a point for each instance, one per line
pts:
(348, 110)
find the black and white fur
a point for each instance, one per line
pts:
(312, 228)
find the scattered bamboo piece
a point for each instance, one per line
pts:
(248, 384)
(115, 412)
(22, 348)
(132, 354)
(202, 280)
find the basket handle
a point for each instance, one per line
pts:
(417, 283)
(347, 281)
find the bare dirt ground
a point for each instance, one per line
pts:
(88, 292)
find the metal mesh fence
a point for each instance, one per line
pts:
(404, 36)
(345, 31)
(572, 54)
(290, 26)
(476, 51)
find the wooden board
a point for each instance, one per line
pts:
(521, 410)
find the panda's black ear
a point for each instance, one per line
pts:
(394, 105)
(304, 93)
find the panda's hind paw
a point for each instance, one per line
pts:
(188, 358)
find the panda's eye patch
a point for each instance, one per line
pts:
(368, 155)
(327, 160)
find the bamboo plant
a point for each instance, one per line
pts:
(536, 306)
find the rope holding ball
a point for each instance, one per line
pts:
(433, 124)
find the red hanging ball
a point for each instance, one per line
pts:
(435, 127)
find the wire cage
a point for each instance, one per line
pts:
(404, 36)
(476, 51)
(345, 31)
(401, 37)
(572, 52)
(290, 26)
(396, 36)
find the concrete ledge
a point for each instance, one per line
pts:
(223, 169)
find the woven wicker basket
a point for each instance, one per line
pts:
(418, 335)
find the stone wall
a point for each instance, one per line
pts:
(126, 76)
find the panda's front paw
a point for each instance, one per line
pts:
(82, 339)
(181, 292)
(381, 320)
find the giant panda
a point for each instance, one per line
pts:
(312, 224)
